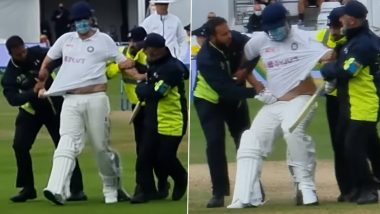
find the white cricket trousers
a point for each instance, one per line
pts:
(84, 115)
(275, 119)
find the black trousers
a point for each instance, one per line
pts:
(138, 126)
(339, 128)
(213, 118)
(27, 128)
(160, 150)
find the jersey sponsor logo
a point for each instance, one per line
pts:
(69, 59)
(294, 46)
(270, 50)
(278, 63)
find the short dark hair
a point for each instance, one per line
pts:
(14, 42)
(213, 23)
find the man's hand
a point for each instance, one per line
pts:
(266, 97)
(127, 64)
(328, 57)
(330, 86)
(41, 93)
(240, 75)
(134, 74)
(38, 86)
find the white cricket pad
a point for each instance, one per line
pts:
(247, 190)
(63, 166)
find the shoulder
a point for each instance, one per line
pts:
(204, 54)
(174, 18)
(364, 44)
(10, 73)
(239, 37)
(67, 35)
(104, 37)
(150, 18)
(257, 39)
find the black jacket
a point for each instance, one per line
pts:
(19, 80)
(218, 67)
(164, 92)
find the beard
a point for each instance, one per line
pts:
(222, 46)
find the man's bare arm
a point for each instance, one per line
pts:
(44, 73)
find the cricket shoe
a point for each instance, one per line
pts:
(112, 197)
(306, 197)
(57, 199)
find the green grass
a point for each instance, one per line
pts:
(122, 140)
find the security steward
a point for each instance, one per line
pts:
(165, 120)
(333, 38)
(137, 72)
(358, 82)
(19, 87)
(220, 99)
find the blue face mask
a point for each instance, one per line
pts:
(82, 26)
(278, 34)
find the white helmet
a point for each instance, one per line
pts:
(162, 1)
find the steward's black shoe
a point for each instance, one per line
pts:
(179, 189)
(140, 198)
(216, 201)
(163, 190)
(368, 197)
(79, 196)
(24, 194)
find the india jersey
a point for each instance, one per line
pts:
(83, 61)
(287, 62)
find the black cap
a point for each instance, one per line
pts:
(273, 16)
(80, 10)
(335, 14)
(154, 40)
(355, 9)
(199, 31)
(137, 34)
(187, 27)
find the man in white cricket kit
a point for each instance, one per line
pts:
(170, 27)
(289, 55)
(82, 81)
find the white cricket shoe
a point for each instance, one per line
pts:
(236, 205)
(110, 196)
(306, 197)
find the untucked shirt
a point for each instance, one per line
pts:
(288, 62)
(83, 61)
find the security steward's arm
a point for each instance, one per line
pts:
(218, 76)
(19, 83)
(349, 65)
(159, 85)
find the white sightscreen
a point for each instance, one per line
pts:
(20, 17)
